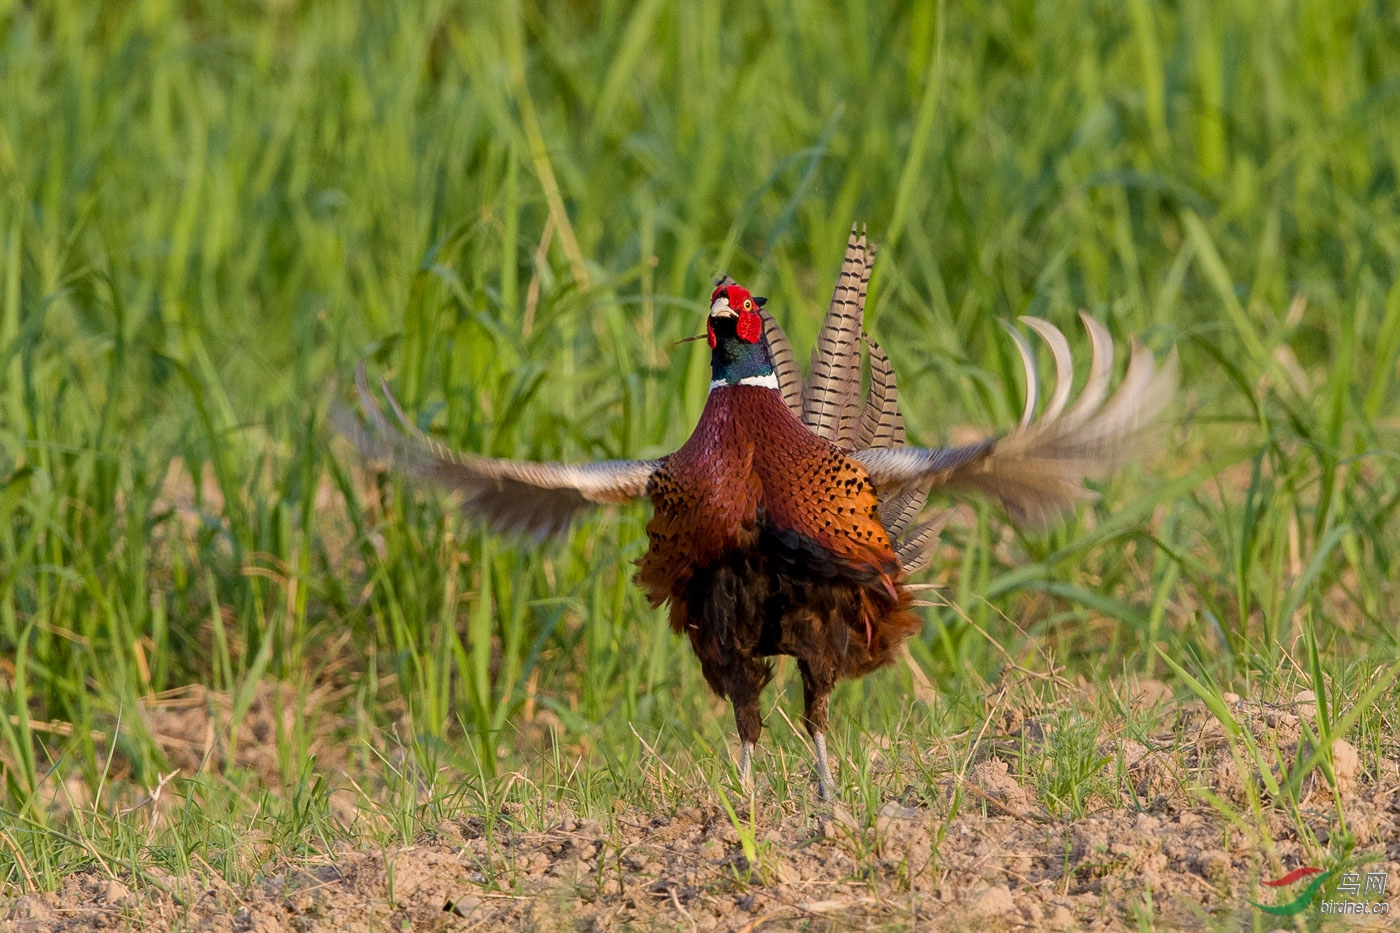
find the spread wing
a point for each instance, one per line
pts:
(521, 497)
(1039, 469)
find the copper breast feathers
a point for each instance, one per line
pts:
(751, 465)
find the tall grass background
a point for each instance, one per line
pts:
(209, 212)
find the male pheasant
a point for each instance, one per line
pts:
(779, 527)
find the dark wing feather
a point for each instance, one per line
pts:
(900, 505)
(915, 550)
(834, 380)
(521, 497)
(1039, 469)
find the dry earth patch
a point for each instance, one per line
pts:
(1185, 845)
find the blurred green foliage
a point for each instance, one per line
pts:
(210, 211)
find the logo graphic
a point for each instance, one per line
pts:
(1299, 903)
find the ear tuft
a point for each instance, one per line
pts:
(760, 300)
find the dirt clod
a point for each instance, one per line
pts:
(989, 902)
(993, 778)
(115, 892)
(1346, 766)
(30, 908)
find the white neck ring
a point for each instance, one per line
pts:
(769, 381)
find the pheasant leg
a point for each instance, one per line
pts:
(744, 685)
(826, 785)
(816, 692)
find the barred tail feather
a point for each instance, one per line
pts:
(881, 424)
(784, 364)
(834, 380)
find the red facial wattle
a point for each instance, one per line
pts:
(749, 327)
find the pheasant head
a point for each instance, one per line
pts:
(738, 352)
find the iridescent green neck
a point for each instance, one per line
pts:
(734, 361)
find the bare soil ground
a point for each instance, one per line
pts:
(1185, 845)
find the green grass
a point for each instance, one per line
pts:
(208, 213)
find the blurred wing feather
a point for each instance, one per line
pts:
(521, 497)
(1039, 469)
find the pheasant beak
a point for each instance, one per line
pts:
(721, 309)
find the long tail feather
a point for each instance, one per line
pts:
(784, 364)
(834, 379)
(881, 424)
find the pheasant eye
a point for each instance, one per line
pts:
(748, 305)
